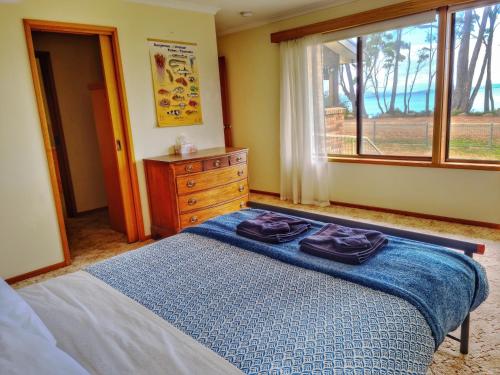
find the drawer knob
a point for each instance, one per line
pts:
(217, 163)
(192, 201)
(242, 204)
(191, 183)
(193, 219)
(241, 188)
(189, 168)
(239, 158)
(240, 173)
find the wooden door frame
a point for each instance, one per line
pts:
(31, 25)
(55, 116)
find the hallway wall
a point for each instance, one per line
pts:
(76, 64)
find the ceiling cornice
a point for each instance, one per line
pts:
(180, 4)
(282, 17)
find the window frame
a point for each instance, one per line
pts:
(359, 120)
(451, 62)
(442, 108)
(384, 159)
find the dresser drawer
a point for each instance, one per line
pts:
(238, 158)
(198, 217)
(185, 190)
(212, 197)
(186, 168)
(215, 163)
(188, 184)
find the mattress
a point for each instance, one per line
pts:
(108, 333)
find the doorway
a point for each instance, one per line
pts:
(82, 106)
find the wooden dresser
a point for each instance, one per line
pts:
(186, 190)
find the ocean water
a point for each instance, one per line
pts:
(417, 101)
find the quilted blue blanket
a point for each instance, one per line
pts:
(269, 317)
(442, 284)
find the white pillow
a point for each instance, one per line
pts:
(23, 352)
(15, 312)
(26, 345)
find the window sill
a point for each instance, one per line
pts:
(415, 163)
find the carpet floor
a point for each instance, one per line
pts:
(92, 240)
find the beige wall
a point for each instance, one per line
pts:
(29, 232)
(76, 64)
(254, 76)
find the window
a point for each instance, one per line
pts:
(399, 69)
(386, 107)
(474, 105)
(419, 89)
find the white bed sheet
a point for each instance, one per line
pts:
(109, 333)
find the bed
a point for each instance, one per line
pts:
(207, 301)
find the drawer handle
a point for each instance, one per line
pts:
(217, 163)
(193, 219)
(239, 158)
(189, 168)
(191, 183)
(240, 173)
(192, 201)
(241, 188)
(242, 204)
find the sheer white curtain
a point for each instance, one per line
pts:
(304, 164)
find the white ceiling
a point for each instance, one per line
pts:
(227, 12)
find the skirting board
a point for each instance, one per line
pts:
(34, 273)
(91, 211)
(265, 193)
(401, 212)
(43, 270)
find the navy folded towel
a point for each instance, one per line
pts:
(344, 244)
(269, 227)
(273, 228)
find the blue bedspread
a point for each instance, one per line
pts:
(269, 317)
(444, 285)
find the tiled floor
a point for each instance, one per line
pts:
(92, 240)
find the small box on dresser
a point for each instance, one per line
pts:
(186, 190)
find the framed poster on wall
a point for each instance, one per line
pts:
(174, 68)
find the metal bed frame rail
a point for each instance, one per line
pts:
(468, 248)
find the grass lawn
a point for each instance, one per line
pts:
(462, 148)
